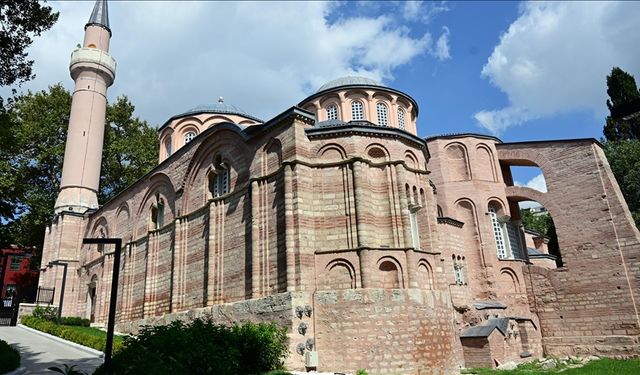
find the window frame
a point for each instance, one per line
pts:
(188, 133)
(332, 112)
(359, 110)
(402, 123)
(382, 114)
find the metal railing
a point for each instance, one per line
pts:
(45, 295)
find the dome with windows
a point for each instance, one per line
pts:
(362, 101)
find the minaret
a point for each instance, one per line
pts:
(93, 70)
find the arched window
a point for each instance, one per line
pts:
(401, 116)
(382, 114)
(160, 220)
(219, 179)
(332, 112)
(167, 147)
(458, 269)
(189, 136)
(357, 110)
(498, 233)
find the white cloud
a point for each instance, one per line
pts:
(423, 11)
(555, 58)
(536, 183)
(261, 56)
(441, 50)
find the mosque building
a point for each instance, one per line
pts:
(376, 248)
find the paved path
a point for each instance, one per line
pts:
(38, 353)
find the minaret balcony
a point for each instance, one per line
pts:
(93, 58)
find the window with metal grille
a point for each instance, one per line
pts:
(401, 116)
(189, 136)
(219, 179)
(332, 112)
(382, 114)
(167, 147)
(458, 269)
(357, 110)
(498, 234)
(513, 232)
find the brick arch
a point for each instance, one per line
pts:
(331, 151)
(226, 143)
(272, 156)
(510, 279)
(458, 159)
(410, 159)
(425, 274)
(377, 151)
(389, 272)
(161, 184)
(123, 219)
(485, 157)
(339, 274)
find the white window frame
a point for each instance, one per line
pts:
(401, 119)
(332, 112)
(458, 271)
(498, 234)
(189, 136)
(357, 110)
(382, 113)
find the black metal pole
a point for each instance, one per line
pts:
(108, 350)
(64, 282)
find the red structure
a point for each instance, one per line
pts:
(16, 277)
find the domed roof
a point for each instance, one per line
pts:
(219, 107)
(349, 81)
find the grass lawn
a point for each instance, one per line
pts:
(598, 367)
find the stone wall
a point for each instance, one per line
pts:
(589, 306)
(385, 331)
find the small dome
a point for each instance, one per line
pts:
(219, 107)
(349, 81)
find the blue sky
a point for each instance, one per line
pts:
(518, 70)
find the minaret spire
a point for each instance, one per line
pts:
(100, 15)
(93, 70)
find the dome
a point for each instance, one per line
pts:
(219, 107)
(349, 81)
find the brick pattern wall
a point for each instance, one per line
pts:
(385, 331)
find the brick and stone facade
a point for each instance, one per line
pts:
(376, 248)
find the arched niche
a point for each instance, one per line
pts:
(425, 274)
(339, 274)
(486, 169)
(458, 162)
(389, 273)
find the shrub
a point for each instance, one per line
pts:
(91, 337)
(9, 358)
(75, 321)
(202, 347)
(46, 313)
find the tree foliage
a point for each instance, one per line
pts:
(20, 20)
(622, 89)
(543, 224)
(622, 145)
(32, 136)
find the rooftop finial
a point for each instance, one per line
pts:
(100, 15)
(221, 100)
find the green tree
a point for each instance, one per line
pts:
(624, 158)
(622, 89)
(543, 224)
(21, 21)
(622, 144)
(36, 128)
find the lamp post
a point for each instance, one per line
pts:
(64, 282)
(114, 293)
